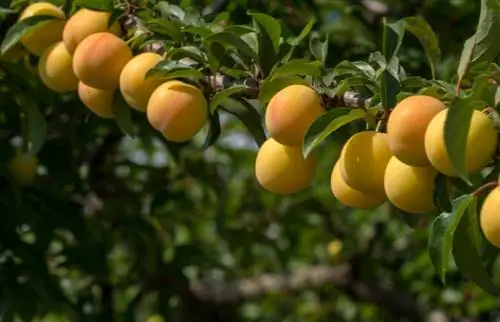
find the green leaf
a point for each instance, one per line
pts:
(98, 5)
(21, 28)
(352, 82)
(469, 261)
(221, 96)
(191, 52)
(165, 28)
(215, 53)
(298, 67)
(390, 85)
(36, 130)
(170, 10)
(442, 233)
(169, 69)
(303, 34)
(328, 123)
(239, 30)
(115, 15)
(198, 30)
(424, 33)
(441, 194)
(392, 38)
(319, 46)
(456, 130)
(268, 36)
(270, 87)
(248, 115)
(214, 130)
(232, 40)
(357, 68)
(465, 59)
(123, 114)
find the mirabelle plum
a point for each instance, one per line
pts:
(135, 88)
(47, 32)
(23, 168)
(482, 141)
(178, 110)
(350, 197)
(55, 69)
(99, 59)
(409, 188)
(282, 169)
(291, 112)
(489, 217)
(84, 23)
(99, 101)
(363, 160)
(406, 128)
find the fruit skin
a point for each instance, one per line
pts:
(481, 144)
(55, 69)
(84, 23)
(99, 101)
(23, 168)
(48, 33)
(178, 110)
(350, 197)
(282, 169)
(135, 88)
(290, 112)
(406, 128)
(99, 59)
(489, 217)
(363, 160)
(409, 188)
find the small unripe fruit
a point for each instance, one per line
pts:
(481, 144)
(350, 197)
(84, 23)
(291, 112)
(99, 101)
(23, 168)
(55, 69)
(406, 128)
(282, 169)
(99, 59)
(135, 88)
(363, 160)
(489, 217)
(48, 33)
(178, 110)
(409, 188)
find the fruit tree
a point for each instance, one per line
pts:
(368, 187)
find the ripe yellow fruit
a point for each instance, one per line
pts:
(489, 217)
(363, 160)
(99, 59)
(409, 188)
(350, 197)
(135, 88)
(406, 128)
(178, 110)
(99, 101)
(55, 69)
(283, 169)
(48, 32)
(481, 144)
(84, 23)
(23, 168)
(291, 112)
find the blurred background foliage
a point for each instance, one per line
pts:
(121, 229)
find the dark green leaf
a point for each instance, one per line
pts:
(36, 126)
(469, 261)
(423, 31)
(174, 69)
(165, 28)
(270, 87)
(442, 234)
(232, 40)
(21, 28)
(392, 38)
(170, 10)
(303, 34)
(115, 15)
(215, 53)
(248, 115)
(221, 96)
(441, 194)
(239, 30)
(198, 30)
(268, 37)
(328, 123)
(98, 5)
(214, 130)
(319, 46)
(352, 82)
(123, 114)
(191, 52)
(390, 85)
(465, 58)
(357, 68)
(298, 67)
